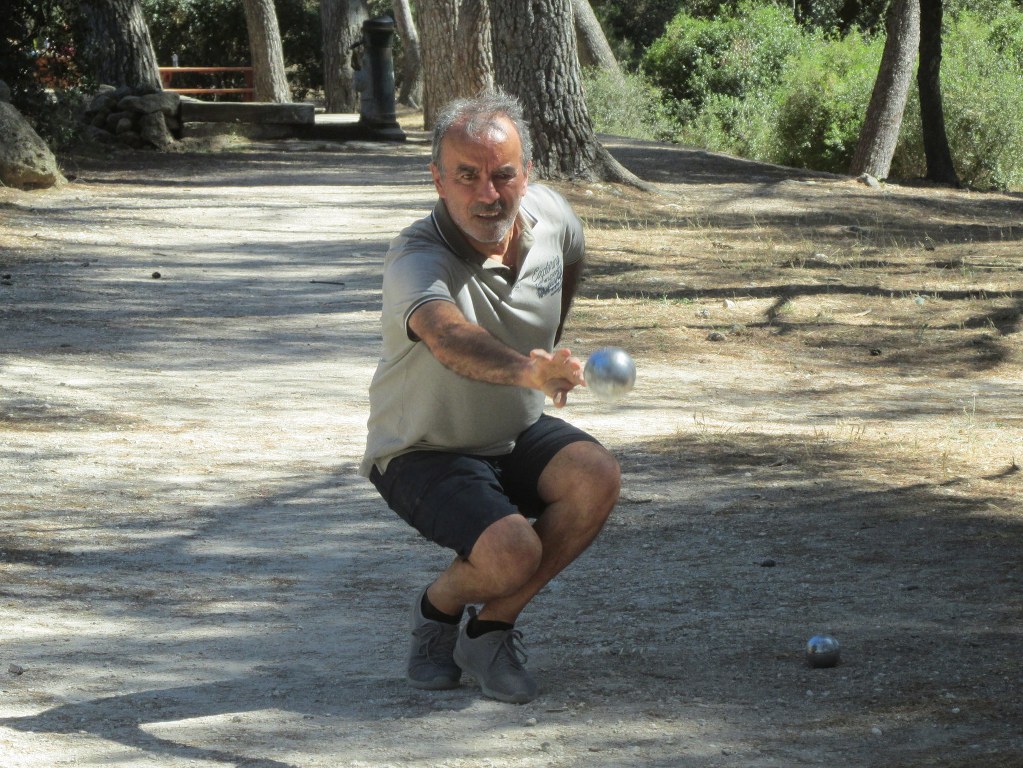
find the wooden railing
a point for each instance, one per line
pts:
(247, 93)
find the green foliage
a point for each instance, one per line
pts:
(841, 16)
(754, 84)
(630, 107)
(982, 88)
(39, 61)
(822, 100)
(735, 125)
(737, 55)
(633, 25)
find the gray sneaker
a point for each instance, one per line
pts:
(496, 660)
(430, 662)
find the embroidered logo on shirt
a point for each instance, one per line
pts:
(547, 278)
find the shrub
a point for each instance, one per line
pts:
(982, 85)
(735, 125)
(734, 55)
(40, 62)
(633, 108)
(822, 100)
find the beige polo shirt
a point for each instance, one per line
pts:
(418, 404)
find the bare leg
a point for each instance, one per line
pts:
(513, 560)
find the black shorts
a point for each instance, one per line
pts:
(451, 498)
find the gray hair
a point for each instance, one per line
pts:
(478, 114)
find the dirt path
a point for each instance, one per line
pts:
(192, 575)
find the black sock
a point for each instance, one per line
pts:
(476, 627)
(434, 614)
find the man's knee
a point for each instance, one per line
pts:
(584, 474)
(508, 553)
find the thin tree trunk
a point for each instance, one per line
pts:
(118, 45)
(940, 165)
(535, 59)
(267, 52)
(411, 91)
(341, 21)
(880, 132)
(594, 50)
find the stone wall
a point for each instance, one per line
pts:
(134, 117)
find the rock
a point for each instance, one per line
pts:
(5, 92)
(97, 134)
(869, 180)
(124, 125)
(25, 160)
(130, 104)
(114, 119)
(153, 130)
(166, 102)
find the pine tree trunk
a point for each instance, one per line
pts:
(118, 45)
(474, 50)
(341, 21)
(267, 53)
(594, 50)
(940, 165)
(457, 52)
(880, 133)
(411, 91)
(535, 59)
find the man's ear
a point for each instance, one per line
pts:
(437, 181)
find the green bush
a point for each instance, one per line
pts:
(734, 125)
(822, 100)
(41, 63)
(632, 107)
(982, 89)
(733, 55)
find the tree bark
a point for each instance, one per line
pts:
(880, 132)
(940, 165)
(411, 91)
(341, 21)
(535, 59)
(118, 46)
(457, 52)
(594, 50)
(267, 52)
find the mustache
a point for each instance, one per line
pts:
(479, 208)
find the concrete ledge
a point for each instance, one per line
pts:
(248, 112)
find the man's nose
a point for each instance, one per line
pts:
(487, 190)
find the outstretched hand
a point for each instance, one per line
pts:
(556, 373)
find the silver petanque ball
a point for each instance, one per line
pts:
(610, 373)
(822, 651)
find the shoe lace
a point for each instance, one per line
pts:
(434, 640)
(511, 651)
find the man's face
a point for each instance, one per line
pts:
(482, 181)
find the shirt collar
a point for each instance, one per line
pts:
(461, 247)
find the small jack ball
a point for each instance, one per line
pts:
(610, 373)
(822, 651)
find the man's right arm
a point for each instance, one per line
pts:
(471, 351)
